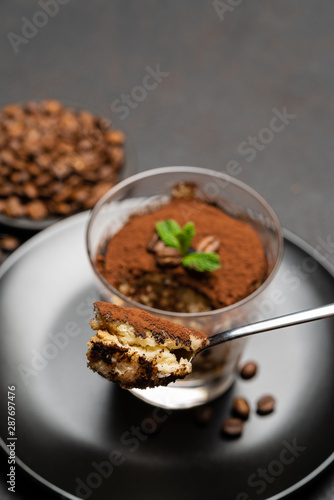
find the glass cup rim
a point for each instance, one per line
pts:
(186, 169)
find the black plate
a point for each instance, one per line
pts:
(74, 428)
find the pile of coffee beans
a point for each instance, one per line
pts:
(55, 161)
(233, 427)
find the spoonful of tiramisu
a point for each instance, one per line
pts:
(139, 350)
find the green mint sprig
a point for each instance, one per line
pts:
(167, 230)
(202, 261)
(172, 235)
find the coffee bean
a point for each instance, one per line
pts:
(43, 180)
(33, 169)
(14, 145)
(7, 157)
(5, 170)
(249, 370)
(19, 165)
(18, 177)
(103, 124)
(9, 243)
(16, 130)
(50, 144)
(208, 244)
(116, 156)
(241, 408)
(43, 160)
(51, 106)
(11, 110)
(14, 207)
(75, 181)
(233, 427)
(61, 170)
(204, 414)
(85, 145)
(6, 190)
(86, 119)
(63, 208)
(30, 190)
(115, 137)
(266, 404)
(80, 194)
(89, 160)
(63, 194)
(105, 172)
(30, 107)
(37, 210)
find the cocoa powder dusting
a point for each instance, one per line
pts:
(162, 329)
(243, 261)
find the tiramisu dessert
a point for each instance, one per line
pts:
(136, 349)
(181, 254)
(186, 255)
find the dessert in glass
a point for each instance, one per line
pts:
(135, 265)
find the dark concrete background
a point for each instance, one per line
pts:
(225, 78)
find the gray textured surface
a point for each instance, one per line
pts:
(225, 78)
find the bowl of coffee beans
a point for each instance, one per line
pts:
(55, 161)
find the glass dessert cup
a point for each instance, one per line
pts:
(215, 370)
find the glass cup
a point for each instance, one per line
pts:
(215, 370)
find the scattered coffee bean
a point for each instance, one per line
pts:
(266, 405)
(9, 243)
(204, 414)
(45, 144)
(233, 427)
(249, 370)
(241, 408)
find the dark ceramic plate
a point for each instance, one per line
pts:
(85, 437)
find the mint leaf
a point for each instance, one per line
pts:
(173, 236)
(202, 261)
(167, 231)
(185, 236)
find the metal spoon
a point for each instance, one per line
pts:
(270, 324)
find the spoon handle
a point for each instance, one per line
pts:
(273, 323)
